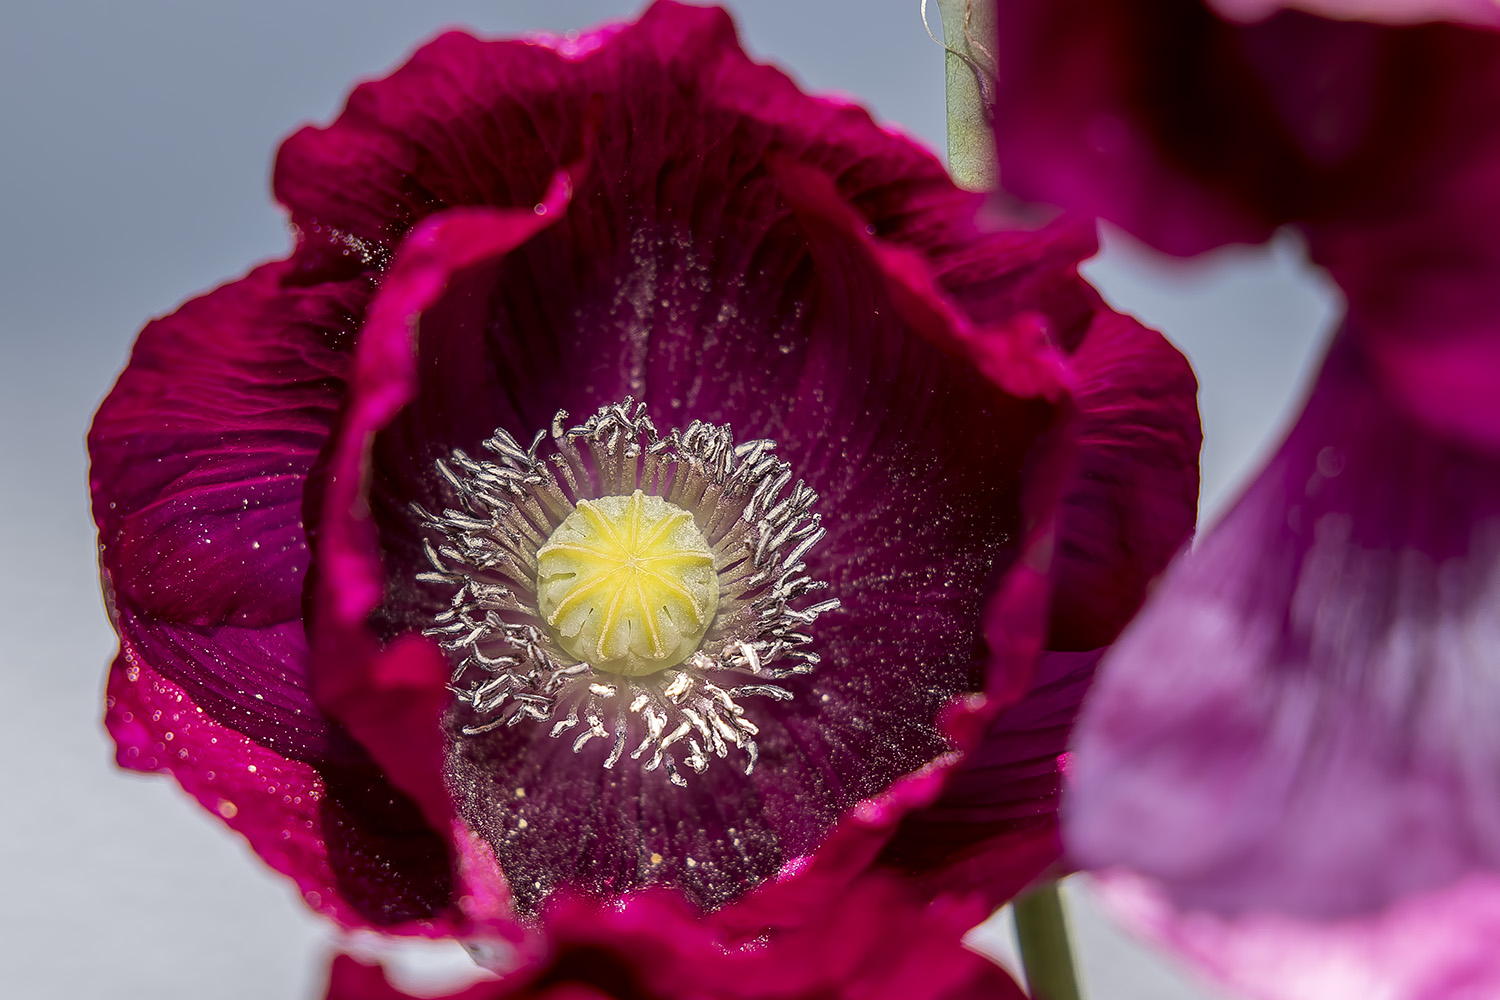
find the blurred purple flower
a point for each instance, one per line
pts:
(876, 942)
(1299, 726)
(309, 478)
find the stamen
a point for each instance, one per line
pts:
(640, 584)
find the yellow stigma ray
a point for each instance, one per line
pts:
(627, 584)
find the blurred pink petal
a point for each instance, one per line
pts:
(1436, 945)
(1482, 12)
(1302, 719)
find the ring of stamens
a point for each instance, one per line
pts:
(539, 548)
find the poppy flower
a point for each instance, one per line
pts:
(640, 474)
(874, 942)
(1293, 737)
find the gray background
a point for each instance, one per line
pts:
(135, 141)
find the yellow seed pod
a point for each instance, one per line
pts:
(628, 584)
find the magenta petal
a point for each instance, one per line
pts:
(1420, 270)
(198, 461)
(199, 452)
(805, 883)
(1095, 99)
(875, 942)
(1133, 499)
(384, 380)
(351, 979)
(1300, 720)
(394, 711)
(995, 824)
(250, 679)
(1129, 505)
(439, 132)
(340, 834)
(272, 801)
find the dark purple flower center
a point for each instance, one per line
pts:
(629, 586)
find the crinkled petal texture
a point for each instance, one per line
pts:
(502, 230)
(1133, 498)
(1302, 718)
(875, 943)
(200, 457)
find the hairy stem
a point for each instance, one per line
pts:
(968, 30)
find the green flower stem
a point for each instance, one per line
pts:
(968, 26)
(1046, 955)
